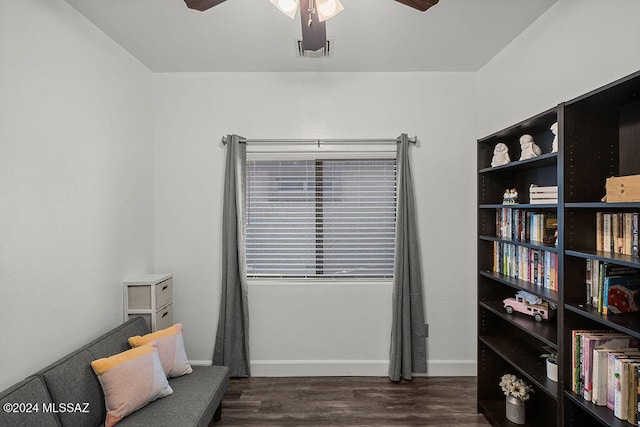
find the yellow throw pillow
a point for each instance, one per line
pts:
(130, 380)
(170, 348)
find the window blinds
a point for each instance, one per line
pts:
(326, 218)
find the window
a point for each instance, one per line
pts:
(323, 218)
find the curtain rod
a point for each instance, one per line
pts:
(318, 141)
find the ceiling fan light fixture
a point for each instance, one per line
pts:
(288, 7)
(328, 9)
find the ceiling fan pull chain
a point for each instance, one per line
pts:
(312, 10)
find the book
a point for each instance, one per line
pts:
(617, 232)
(632, 405)
(587, 281)
(599, 237)
(595, 282)
(576, 356)
(599, 361)
(622, 294)
(618, 241)
(601, 277)
(634, 235)
(606, 232)
(541, 195)
(627, 232)
(613, 376)
(621, 387)
(603, 341)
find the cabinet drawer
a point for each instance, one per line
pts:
(161, 319)
(139, 297)
(164, 293)
(164, 317)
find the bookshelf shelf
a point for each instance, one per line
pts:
(532, 367)
(531, 206)
(597, 413)
(542, 331)
(626, 260)
(522, 285)
(550, 247)
(543, 160)
(598, 136)
(603, 206)
(628, 323)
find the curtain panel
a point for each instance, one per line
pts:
(232, 337)
(408, 352)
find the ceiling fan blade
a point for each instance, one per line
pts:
(314, 37)
(202, 4)
(419, 4)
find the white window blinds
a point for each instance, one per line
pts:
(328, 218)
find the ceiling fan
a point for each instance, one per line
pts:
(313, 14)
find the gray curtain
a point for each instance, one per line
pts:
(232, 339)
(408, 352)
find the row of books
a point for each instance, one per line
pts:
(543, 195)
(612, 288)
(617, 232)
(536, 266)
(605, 368)
(522, 225)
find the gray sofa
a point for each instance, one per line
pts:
(68, 393)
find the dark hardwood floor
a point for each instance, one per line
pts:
(351, 401)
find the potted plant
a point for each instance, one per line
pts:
(552, 365)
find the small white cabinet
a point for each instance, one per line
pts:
(150, 296)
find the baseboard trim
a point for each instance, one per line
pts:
(349, 368)
(451, 368)
(319, 368)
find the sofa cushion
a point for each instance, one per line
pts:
(71, 380)
(194, 400)
(130, 380)
(170, 348)
(30, 391)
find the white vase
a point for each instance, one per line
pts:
(515, 410)
(552, 370)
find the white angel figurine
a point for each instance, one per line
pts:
(500, 155)
(554, 144)
(529, 148)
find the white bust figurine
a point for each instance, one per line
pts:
(529, 148)
(554, 144)
(500, 155)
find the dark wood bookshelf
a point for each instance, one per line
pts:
(598, 137)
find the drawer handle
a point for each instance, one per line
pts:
(165, 287)
(165, 314)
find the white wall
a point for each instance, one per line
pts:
(575, 47)
(318, 329)
(76, 182)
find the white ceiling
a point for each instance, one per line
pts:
(370, 35)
